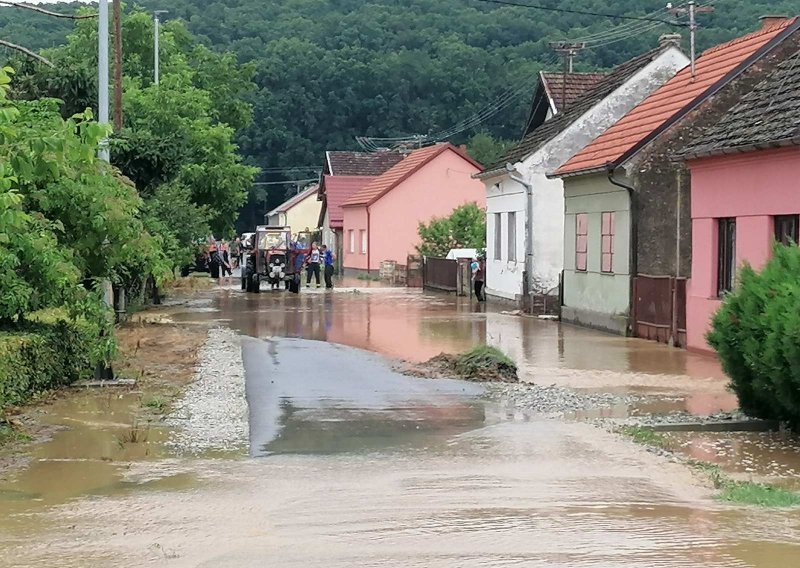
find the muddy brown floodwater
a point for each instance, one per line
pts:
(352, 464)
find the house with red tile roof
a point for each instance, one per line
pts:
(381, 220)
(745, 195)
(525, 209)
(344, 174)
(627, 223)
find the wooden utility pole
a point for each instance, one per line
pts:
(568, 51)
(117, 8)
(692, 9)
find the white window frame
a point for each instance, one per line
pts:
(363, 235)
(512, 236)
(498, 236)
(351, 234)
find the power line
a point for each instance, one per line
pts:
(578, 12)
(286, 182)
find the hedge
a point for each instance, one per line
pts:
(756, 333)
(43, 356)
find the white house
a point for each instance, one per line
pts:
(544, 148)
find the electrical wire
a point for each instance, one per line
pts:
(570, 11)
(625, 27)
(499, 103)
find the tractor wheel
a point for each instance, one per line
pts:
(256, 283)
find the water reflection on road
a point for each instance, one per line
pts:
(356, 465)
(411, 325)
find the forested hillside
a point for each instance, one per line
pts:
(330, 70)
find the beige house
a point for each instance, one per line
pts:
(301, 212)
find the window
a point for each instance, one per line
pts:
(581, 240)
(512, 237)
(363, 241)
(726, 251)
(352, 236)
(786, 229)
(607, 243)
(498, 237)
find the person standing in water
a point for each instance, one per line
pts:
(479, 278)
(328, 258)
(313, 260)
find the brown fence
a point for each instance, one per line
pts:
(440, 274)
(659, 309)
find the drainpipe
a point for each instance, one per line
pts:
(527, 281)
(632, 241)
(369, 241)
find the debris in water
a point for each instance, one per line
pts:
(482, 363)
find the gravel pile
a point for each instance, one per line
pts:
(213, 413)
(552, 399)
(683, 418)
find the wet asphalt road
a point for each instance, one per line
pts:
(310, 397)
(351, 464)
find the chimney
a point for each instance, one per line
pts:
(771, 20)
(668, 40)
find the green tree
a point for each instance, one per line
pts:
(65, 216)
(486, 149)
(465, 227)
(756, 333)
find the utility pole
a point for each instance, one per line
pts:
(156, 46)
(568, 51)
(102, 70)
(117, 5)
(103, 372)
(692, 9)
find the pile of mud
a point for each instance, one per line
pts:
(484, 364)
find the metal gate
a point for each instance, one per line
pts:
(659, 309)
(414, 271)
(440, 274)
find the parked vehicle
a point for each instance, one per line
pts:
(200, 263)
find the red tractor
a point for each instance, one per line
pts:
(274, 257)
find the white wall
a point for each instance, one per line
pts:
(505, 279)
(503, 276)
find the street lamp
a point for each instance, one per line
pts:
(156, 62)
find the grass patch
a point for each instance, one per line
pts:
(645, 436)
(156, 404)
(369, 277)
(485, 362)
(135, 434)
(10, 435)
(747, 492)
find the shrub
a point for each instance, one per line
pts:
(44, 356)
(756, 334)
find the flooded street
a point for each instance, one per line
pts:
(345, 462)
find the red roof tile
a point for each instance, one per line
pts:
(669, 100)
(339, 189)
(383, 184)
(578, 84)
(360, 163)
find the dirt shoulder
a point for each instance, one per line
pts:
(160, 356)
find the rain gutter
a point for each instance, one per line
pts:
(527, 288)
(633, 268)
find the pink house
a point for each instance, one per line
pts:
(745, 192)
(344, 174)
(381, 220)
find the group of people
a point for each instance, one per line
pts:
(319, 260)
(223, 258)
